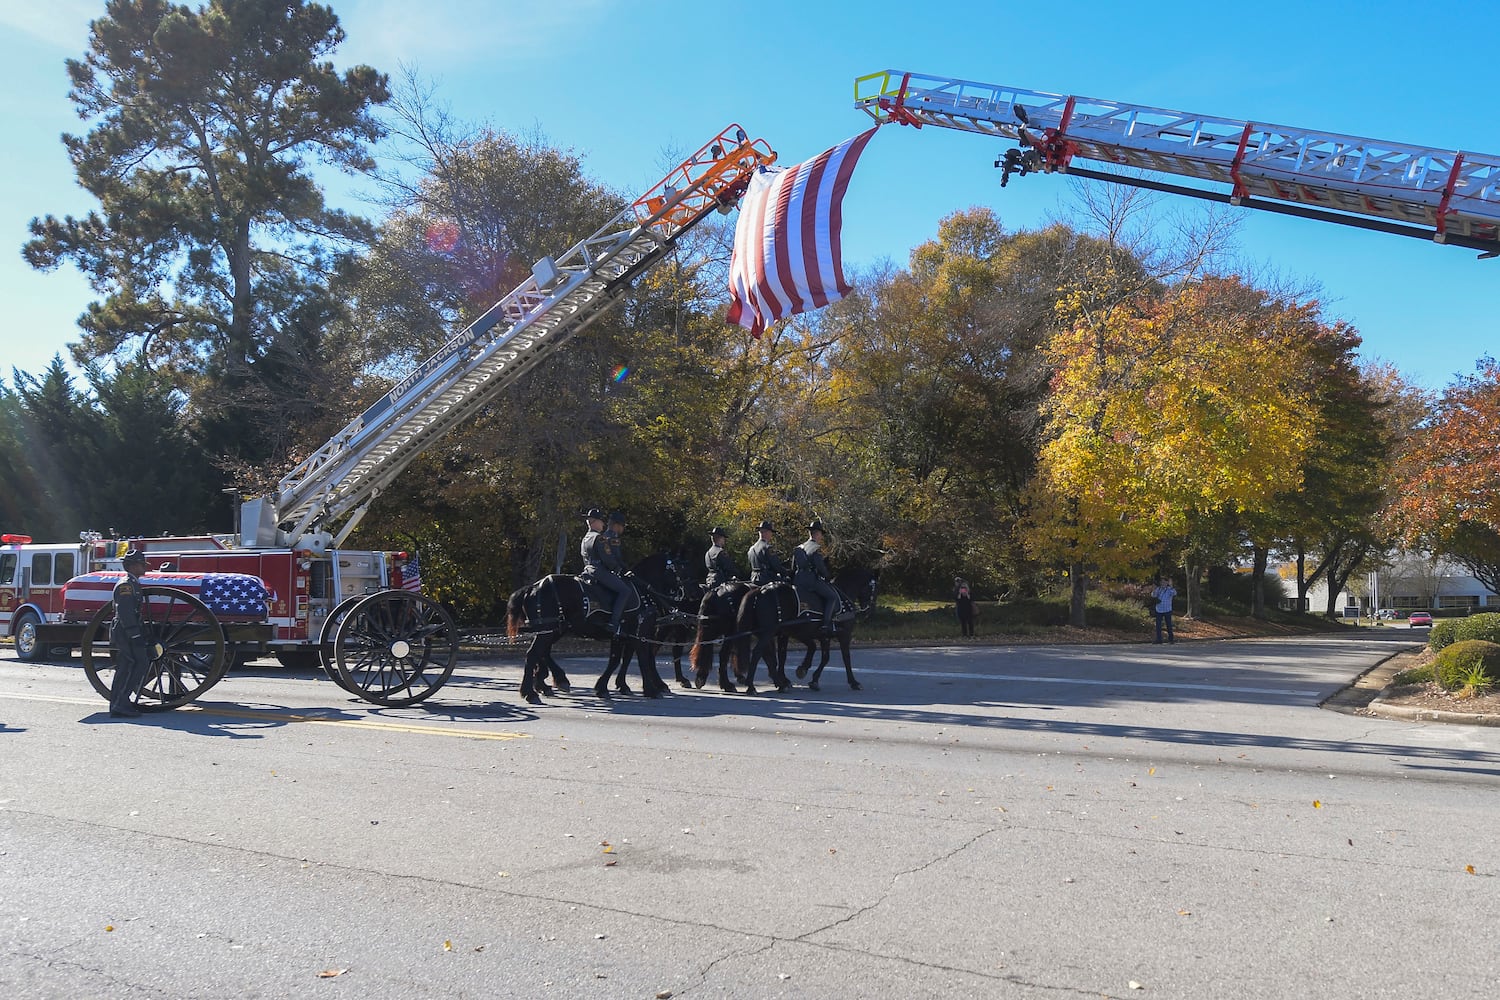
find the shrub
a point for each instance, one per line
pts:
(1443, 634)
(1459, 664)
(1482, 626)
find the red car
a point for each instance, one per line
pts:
(1417, 618)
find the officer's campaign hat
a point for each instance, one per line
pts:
(132, 555)
(815, 526)
(764, 526)
(616, 517)
(594, 514)
(718, 533)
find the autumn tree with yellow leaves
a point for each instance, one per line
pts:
(1168, 414)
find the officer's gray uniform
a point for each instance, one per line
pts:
(810, 576)
(128, 641)
(720, 566)
(602, 564)
(765, 565)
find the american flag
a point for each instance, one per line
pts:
(788, 250)
(411, 574)
(233, 594)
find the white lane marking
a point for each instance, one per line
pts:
(954, 675)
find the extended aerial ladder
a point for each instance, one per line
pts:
(1446, 196)
(562, 296)
(341, 609)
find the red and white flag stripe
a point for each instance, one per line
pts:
(788, 252)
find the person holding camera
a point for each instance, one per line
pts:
(1164, 594)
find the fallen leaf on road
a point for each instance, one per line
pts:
(1135, 985)
(1467, 868)
(1150, 770)
(110, 927)
(1317, 804)
(330, 973)
(447, 945)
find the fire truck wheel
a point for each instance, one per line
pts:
(28, 647)
(183, 639)
(299, 659)
(396, 648)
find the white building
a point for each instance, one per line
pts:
(1410, 582)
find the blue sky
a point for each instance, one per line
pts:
(629, 84)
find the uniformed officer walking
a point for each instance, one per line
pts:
(602, 564)
(718, 562)
(128, 639)
(765, 565)
(810, 573)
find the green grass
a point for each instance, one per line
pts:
(1416, 675)
(902, 619)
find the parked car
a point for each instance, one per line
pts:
(1387, 614)
(1418, 618)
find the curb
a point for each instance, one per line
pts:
(1408, 714)
(1366, 697)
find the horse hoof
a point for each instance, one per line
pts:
(623, 689)
(533, 699)
(801, 672)
(750, 689)
(544, 690)
(813, 686)
(602, 691)
(854, 686)
(562, 685)
(729, 689)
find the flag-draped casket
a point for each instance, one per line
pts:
(232, 597)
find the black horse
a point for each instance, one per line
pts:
(557, 605)
(678, 624)
(717, 613)
(772, 617)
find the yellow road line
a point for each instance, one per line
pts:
(317, 720)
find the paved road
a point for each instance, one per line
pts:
(975, 822)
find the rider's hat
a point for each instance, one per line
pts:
(132, 555)
(764, 526)
(616, 517)
(594, 514)
(815, 526)
(718, 533)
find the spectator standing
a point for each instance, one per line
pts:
(963, 604)
(1164, 594)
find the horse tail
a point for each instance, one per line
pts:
(515, 612)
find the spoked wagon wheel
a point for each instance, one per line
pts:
(395, 648)
(328, 633)
(183, 640)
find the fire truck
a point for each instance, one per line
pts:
(1446, 196)
(348, 611)
(35, 577)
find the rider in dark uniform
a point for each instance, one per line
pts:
(602, 564)
(811, 576)
(718, 562)
(765, 565)
(128, 639)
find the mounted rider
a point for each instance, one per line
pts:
(718, 562)
(810, 574)
(602, 565)
(765, 565)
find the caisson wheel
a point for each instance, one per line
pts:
(395, 648)
(183, 640)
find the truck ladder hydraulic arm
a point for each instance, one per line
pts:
(1441, 195)
(560, 298)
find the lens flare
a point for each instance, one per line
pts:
(621, 374)
(442, 237)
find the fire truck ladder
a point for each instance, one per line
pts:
(561, 297)
(1441, 195)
